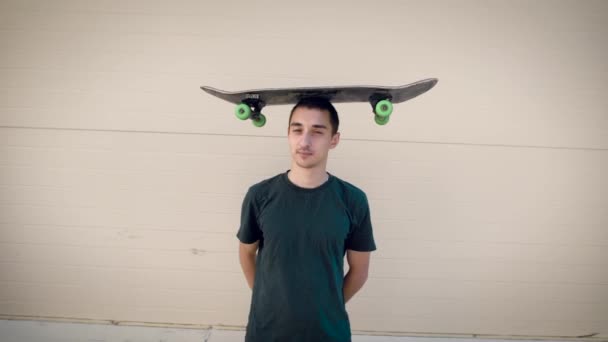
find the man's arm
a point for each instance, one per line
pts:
(358, 263)
(247, 254)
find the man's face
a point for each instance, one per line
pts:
(310, 137)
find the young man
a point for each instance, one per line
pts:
(301, 223)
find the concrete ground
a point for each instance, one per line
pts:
(46, 331)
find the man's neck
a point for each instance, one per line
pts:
(308, 178)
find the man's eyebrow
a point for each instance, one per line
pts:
(297, 124)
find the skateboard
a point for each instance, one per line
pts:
(250, 102)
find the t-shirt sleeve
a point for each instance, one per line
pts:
(361, 237)
(249, 230)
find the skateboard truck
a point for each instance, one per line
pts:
(382, 107)
(251, 108)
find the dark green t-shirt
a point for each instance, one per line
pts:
(304, 235)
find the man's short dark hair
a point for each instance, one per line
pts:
(320, 103)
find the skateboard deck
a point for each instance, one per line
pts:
(250, 102)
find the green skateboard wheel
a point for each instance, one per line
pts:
(383, 108)
(259, 121)
(381, 120)
(242, 111)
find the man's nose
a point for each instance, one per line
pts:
(305, 141)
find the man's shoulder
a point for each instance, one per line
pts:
(265, 185)
(350, 190)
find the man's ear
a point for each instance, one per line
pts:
(335, 139)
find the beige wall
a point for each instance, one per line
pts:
(121, 181)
